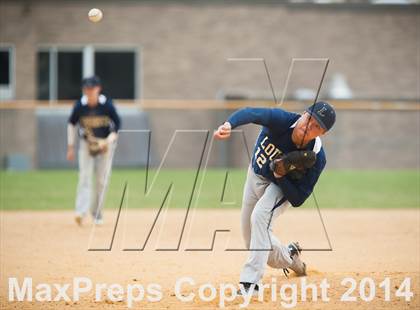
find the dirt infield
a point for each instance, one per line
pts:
(50, 248)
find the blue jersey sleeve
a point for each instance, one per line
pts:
(114, 116)
(75, 114)
(272, 118)
(296, 192)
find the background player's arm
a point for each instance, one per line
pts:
(71, 137)
(71, 132)
(112, 137)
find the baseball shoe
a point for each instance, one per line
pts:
(298, 266)
(79, 219)
(99, 222)
(246, 287)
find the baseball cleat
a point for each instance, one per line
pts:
(99, 222)
(298, 266)
(245, 287)
(79, 219)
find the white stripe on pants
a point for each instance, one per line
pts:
(89, 165)
(257, 216)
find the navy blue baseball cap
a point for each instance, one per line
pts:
(91, 81)
(324, 113)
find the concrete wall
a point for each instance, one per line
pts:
(51, 140)
(18, 134)
(184, 47)
(360, 139)
(40, 135)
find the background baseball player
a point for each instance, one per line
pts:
(288, 159)
(98, 123)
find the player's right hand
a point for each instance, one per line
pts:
(278, 168)
(223, 132)
(103, 145)
(70, 153)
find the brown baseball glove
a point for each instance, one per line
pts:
(97, 146)
(294, 163)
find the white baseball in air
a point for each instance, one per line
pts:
(95, 15)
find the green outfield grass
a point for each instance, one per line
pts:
(55, 189)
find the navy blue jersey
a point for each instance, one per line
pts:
(98, 121)
(274, 139)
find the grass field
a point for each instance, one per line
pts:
(55, 189)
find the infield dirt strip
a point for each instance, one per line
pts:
(50, 248)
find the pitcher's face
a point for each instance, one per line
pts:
(307, 129)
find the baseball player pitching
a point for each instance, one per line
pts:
(98, 123)
(287, 162)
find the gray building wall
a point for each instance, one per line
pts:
(184, 50)
(51, 140)
(362, 139)
(18, 134)
(184, 47)
(40, 136)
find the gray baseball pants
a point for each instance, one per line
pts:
(89, 198)
(261, 205)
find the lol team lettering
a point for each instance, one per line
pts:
(277, 179)
(98, 123)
